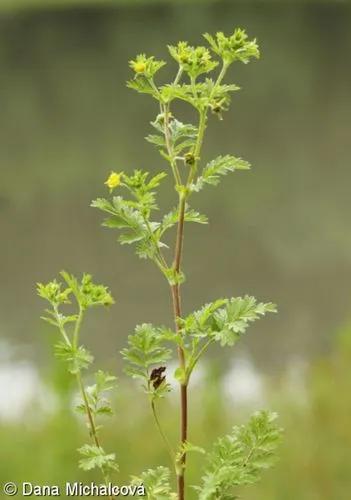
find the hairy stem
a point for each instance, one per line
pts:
(175, 289)
(176, 298)
(177, 310)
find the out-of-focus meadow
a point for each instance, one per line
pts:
(281, 232)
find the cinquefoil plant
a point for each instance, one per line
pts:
(236, 459)
(94, 402)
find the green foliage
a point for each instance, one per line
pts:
(240, 457)
(94, 403)
(124, 216)
(95, 457)
(133, 218)
(156, 482)
(77, 358)
(219, 167)
(209, 94)
(223, 320)
(171, 219)
(96, 395)
(87, 294)
(232, 320)
(232, 48)
(146, 351)
(181, 136)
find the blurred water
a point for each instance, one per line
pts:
(243, 385)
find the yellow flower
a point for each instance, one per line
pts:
(114, 180)
(139, 67)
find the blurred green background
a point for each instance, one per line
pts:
(281, 232)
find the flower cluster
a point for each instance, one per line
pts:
(53, 292)
(94, 295)
(236, 47)
(86, 292)
(194, 60)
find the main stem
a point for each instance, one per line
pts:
(177, 311)
(177, 308)
(176, 294)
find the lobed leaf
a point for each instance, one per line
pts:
(240, 457)
(95, 457)
(145, 349)
(77, 358)
(156, 482)
(218, 167)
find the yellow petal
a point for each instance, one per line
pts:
(113, 180)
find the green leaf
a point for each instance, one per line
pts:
(181, 136)
(171, 219)
(145, 350)
(157, 140)
(76, 358)
(124, 216)
(143, 190)
(224, 320)
(201, 323)
(240, 457)
(216, 168)
(194, 216)
(95, 457)
(104, 382)
(142, 86)
(156, 482)
(232, 321)
(134, 215)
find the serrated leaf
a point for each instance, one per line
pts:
(95, 457)
(156, 482)
(240, 457)
(233, 320)
(145, 349)
(218, 167)
(77, 358)
(180, 135)
(225, 320)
